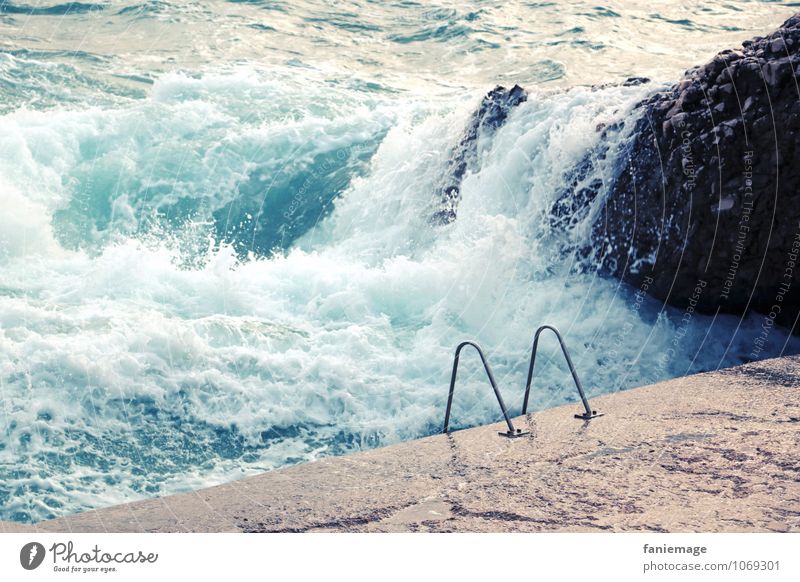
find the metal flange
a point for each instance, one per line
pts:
(587, 416)
(516, 434)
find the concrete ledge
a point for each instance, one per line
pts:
(711, 452)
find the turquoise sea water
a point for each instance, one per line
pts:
(216, 256)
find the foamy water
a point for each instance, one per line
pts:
(223, 263)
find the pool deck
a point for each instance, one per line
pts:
(712, 452)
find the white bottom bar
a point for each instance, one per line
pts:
(372, 557)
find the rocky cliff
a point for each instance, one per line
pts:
(705, 207)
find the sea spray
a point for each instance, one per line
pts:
(227, 269)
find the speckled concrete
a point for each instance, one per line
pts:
(711, 452)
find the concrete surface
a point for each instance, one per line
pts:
(711, 452)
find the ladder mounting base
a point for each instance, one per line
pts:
(586, 416)
(514, 435)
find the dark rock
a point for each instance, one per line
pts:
(778, 71)
(705, 204)
(777, 46)
(633, 81)
(489, 117)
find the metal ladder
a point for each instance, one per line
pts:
(588, 413)
(512, 432)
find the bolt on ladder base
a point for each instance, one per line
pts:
(587, 416)
(513, 435)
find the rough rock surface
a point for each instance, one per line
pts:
(705, 208)
(490, 116)
(712, 452)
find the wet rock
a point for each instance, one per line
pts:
(734, 225)
(490, 116)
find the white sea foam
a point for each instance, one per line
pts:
(129, 368)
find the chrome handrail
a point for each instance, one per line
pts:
(589, 413)
(512, 432)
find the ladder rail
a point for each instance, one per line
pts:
(589, 412)
(511, 430)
